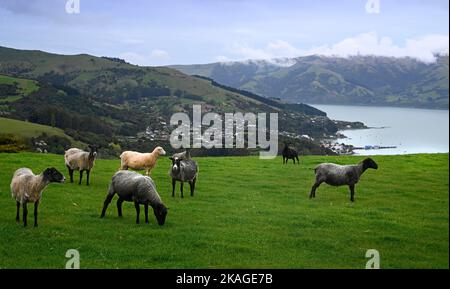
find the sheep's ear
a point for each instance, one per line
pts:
(171, 158)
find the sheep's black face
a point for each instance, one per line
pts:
(369, 164)
(160, 214)
(176, 164)
(93, 151)
(54, 176)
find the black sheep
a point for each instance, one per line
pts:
(289, 153)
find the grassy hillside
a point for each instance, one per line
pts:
(114, 104)
(260, 217)
(364, 80)
(18, 86)
(28, 129)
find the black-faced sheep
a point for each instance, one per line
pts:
(134, 187)
(289, 153)
(337, 175)
(140, 161)
(79, 160)
(183, 169)
(27, 187)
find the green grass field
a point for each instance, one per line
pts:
(247, 213)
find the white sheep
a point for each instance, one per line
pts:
(27, 187)
(80, 160)
(337, 175)
(140, 161)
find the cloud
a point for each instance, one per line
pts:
(222, 58)
(133, 58)
(155, 57)
(159, 54)
(423, 48)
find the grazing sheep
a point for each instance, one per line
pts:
(140, 161)
(134, 187)
(337, 175)
(289, 153)
(80, 160)
(184, 169)
(27, 187)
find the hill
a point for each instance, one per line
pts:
(117, 105)
(263, 218)
(357, 80)
(12, 88)
(34, 136)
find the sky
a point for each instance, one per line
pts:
(149, 32)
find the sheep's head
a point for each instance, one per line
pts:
(176, 164)
(160, 212)
(369, 164)
(160, 151)
(54, 176)
(93, 149)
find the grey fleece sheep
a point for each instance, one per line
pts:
(134, 187)
(337, 175)
(79, 160)
(27, 187)
(183, 169)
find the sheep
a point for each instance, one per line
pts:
(183, 169)
(140, 161)
(76, 159)
(337, 175)
(134, 187)
(27, 187)
(289, 153)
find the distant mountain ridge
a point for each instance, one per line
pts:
(356, 80)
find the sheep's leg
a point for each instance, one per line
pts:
(17, 212)
(107, 201)
(298, 162)
(138, 211)
(25, 214)
(352, 192)
(191, 187)
(70, 174)
(181, 189)
(87, 176)
(119, 206)
(173, 187)
(81, 177)
(313, 190)
(36, 205)
(146, 213)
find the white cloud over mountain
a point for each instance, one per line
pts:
(423, 48)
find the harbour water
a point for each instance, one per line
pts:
(410, 130)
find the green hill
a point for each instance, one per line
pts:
(13, 88)
(112, 103)
(33, 136)
(263, 218)
(358, 80)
